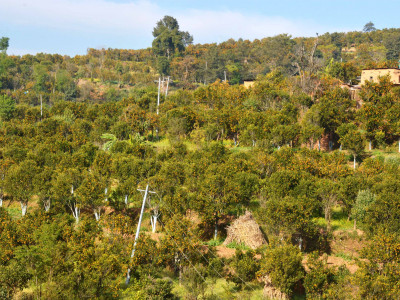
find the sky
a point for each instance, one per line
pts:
(70, 27)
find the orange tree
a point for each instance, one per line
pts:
(91, 192)
(181, 245)
(19, 183)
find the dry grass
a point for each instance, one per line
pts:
(245, 230)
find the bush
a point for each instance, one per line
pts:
(245, 266)
(283, 265)
(7, 107)
(318, 279)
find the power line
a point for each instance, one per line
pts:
(210, 251)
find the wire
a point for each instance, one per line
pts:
(195, 267)
(188, 259)
(210, 251)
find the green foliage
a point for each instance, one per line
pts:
(149, 288)
(4, 43)
(378, 276)
(7, 107)
(214, 155)
(12, 278)
(237, 246)
(369, 27)
(363, 201)
(318, 278)
(193, 279)
(168, 39)
(283, 266)
(245, 266)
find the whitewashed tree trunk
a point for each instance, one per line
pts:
(154, 223)
(126, 200)
(354, 162)
(216, 228)
(24, 208)
(47, 203)
(105, 193)
(96, 212)
(254, 143)
(370, 145)
(1, 201)
(75, 212)
(399, 145)
(340, 147)
(319, 145)
(41, 106)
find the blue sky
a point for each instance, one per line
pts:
(71, 26)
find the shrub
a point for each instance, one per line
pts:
(283, 265)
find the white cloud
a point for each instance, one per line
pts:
(208, 26)
(85, 15)
(101, 19)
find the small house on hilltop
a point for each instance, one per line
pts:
(374, 74)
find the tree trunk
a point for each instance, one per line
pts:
(355, 224)
(354, 161)
(327, 212)
(126, 200)
(105, 193)
(46, 204)
(153, 220)
(319, 145)
(216, 227)
(96, 212)
(1, 201)
(76, 212)
(41, 106)
(180, 273)
(24, 208)
(370, 145)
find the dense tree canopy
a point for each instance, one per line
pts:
(81, 137)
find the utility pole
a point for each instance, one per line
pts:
(146, 191)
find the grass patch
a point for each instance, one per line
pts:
(345, 256)
(14, 209)
(160, 145)
(241, 149)
(221, 289)
(191, 146)
(214, 243)
(239, 246)
(339, 220)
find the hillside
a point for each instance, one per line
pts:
(82, 138)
